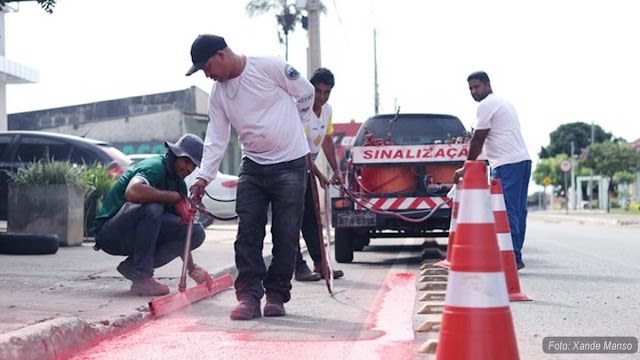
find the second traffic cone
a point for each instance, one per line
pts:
(505, 243)
(446, 263)
(476, 320)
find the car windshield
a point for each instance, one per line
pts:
(411, 129)
(116, 155)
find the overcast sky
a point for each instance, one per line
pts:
(557, 61)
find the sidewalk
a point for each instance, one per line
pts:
(55, 305)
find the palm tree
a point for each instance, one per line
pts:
(47, 5)
(287, 16)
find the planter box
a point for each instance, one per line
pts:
(48, 209)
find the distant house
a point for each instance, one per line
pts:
(135, 125)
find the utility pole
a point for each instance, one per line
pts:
(376, 96)
(313, 59)
(573, 183)
(591, 177)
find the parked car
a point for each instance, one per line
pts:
(20, 147)
(220, 198)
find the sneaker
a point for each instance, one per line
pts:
(199, 274)
(246, 309)
(520, 264)
(337, 274)
(125, 269)
(148, 287)
(303, 273)
(274, 306)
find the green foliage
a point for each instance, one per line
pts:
(609, 158)
(44, 172)
(579, 133)
(551, 167)
(98, 180)
(47, 5)
(624, 177)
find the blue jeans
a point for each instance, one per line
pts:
(515, 186)
(310, 230)
(283, 186)
(149, 235)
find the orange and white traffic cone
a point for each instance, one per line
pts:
(503, 232)
(446, 263)
(476, 320)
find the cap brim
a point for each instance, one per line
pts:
(178, 152)
(194, 68)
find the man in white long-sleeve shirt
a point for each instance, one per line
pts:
(266, 101)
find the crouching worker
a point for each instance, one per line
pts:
(145, 217)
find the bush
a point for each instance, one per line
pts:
(99, 183)
(45, 172)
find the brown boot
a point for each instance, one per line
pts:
(149, 287)
(303, 273)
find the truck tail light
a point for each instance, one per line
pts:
(342, 204)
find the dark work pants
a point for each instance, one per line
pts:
(150, 236)
(515, 186)
(310, 230)
(281, 185)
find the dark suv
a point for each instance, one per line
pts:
(18, 147)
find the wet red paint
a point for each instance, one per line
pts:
(189, 339)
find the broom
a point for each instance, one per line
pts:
(185, 296)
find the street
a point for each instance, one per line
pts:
(582, 279)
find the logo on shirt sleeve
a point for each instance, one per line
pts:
(291, 72)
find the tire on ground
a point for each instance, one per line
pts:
(343, 246)
(28, 244)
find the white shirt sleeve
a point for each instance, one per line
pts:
(302, 91)
(216, 140)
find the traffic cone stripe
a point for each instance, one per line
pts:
(504, 242)
(469, 214)
(497, 201)
(476, 290)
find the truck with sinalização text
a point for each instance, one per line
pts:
(399, 173)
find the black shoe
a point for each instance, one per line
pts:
(520, 264)
(303, 273)
(246, 309)
(274, 306)
(337, 274)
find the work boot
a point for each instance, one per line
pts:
(125, 268)
(199, 274)
(337, 274)
(303, 273)
(246, 309)
(148, 287)
(274, 306)
(520, 264)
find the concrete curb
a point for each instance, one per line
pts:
(63, 337)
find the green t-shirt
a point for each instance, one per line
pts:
(158, 174)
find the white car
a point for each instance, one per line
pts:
(220, 197)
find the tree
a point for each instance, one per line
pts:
(623, 180)
(47, 5)
(287, 16)
(609, 158)
(579, 133)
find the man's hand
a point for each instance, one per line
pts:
(324, 182)
(197, 190)
(337, 178)
(458, 174)
(183, 208)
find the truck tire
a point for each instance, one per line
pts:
(343, 246)
(28, 244)
(360, 242)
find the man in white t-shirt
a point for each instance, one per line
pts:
(267, 102)
(498, 130)
(318, 130)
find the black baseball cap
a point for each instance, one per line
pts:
(204, 47)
